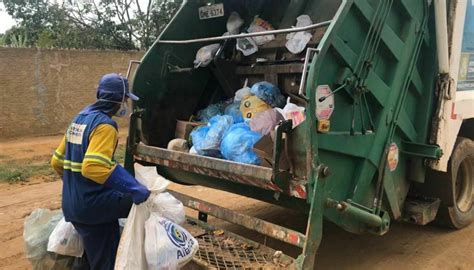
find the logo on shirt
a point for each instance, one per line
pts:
(75, 133)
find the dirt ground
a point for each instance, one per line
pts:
(404, 247)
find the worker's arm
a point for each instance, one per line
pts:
(57, 161)
(97, 164)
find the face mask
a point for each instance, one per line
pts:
(124, 110)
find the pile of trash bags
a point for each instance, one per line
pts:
(296, 42)
(50, 241)
(152, 237)
(231, 128)
(254, 111)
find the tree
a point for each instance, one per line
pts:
(2, 40)
(16, 37)
(102, 24)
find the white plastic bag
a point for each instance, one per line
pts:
(131, 252)
(242, 92)
(65, 240)
(294, 112)
(247, 46)
(167, 245)
(148, 177)
(169, 207)
(37, 229)
(205, 55)
(297, 41)
(180, 145)
(193, 151)
(260, 25)
(234, 23)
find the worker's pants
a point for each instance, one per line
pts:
(100, 243)
(101, 240)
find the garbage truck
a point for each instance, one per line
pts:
(387, 88)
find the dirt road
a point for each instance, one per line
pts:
(404, 247)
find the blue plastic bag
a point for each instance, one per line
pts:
(207, 139)
(237, 144)
(198, 134)
(234, 111)
(268, 93)
(212, 110)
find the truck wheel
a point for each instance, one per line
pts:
(459, 212)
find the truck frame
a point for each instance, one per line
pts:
(396, 146)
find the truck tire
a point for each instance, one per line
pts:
(459, 211)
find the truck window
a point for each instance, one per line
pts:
(466, 69)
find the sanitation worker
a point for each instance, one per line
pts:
(96, 190)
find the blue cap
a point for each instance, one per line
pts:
(111, 88)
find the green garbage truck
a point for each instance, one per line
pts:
(387, 88)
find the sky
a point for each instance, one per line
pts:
(6, 21)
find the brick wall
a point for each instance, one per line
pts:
(42, 90)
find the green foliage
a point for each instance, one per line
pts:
(45, 39)
(16, 37)
(13, 172)
(19, 41)
(98, 24)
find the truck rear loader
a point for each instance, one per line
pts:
(388, 92)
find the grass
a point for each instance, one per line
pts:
(14, 172)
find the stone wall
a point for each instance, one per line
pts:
(42, 90)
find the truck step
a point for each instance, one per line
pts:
(220, 249)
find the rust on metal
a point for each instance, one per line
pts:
(218, 168)
(275, 231)
(219, 249)
(298, 189)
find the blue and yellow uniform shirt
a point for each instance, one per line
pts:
(84, 158)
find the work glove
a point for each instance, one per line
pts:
(124, 182)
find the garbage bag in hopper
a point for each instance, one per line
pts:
(234, 111)
(260, 25)
(210, 111)
(294, 112)
(242, 92)
(266, 121)
(251, 105)
(237, 144)
(297, 41)
(207, 140)
(269, 93)
(180, 145)
(205, 55)
(247, 46)
(234, 23)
